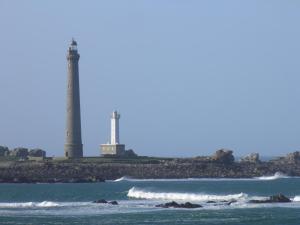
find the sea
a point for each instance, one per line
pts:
(38, 204)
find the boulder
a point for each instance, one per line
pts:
(168, 205)
(211, 202)
(173, 204)
(189, 205)
(273, 199)
(230, 202)
(223, 202)
(223, 156)
(279, 198)
(37, 153)
(129, 153)
(4, 151)
(103, 201)
(252, 158)
(100, 201)
(113, 202)
(19, 152)
(293, 157)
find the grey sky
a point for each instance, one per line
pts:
(188, 77)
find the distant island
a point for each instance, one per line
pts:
(21, 165)
(222, 164)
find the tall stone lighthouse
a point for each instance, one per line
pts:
(73, 144)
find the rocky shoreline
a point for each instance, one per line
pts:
(278, 198)
(220, 165)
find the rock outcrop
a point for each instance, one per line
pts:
(103, 201)
(37, 153)
(173, 204)
(113, 203)
(252, 158)
(293, 157)
(273, 199)
(223, 156)
(19, 152)
(98, 169)
(129, 153)
(4, 151)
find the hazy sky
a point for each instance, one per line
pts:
(189, 77)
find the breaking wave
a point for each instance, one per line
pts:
(122, 179)
(296, 198)
(143, 201)
(44, 204)
(126, 178)
(277, 175)
(129, 179)
(141, 194)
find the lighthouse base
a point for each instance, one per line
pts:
(112, 150)
(73, 150)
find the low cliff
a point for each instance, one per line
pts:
(100, 169)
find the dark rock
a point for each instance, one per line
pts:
(211, 202)
(129, 153)
(4, 151)
(189, 205)
(22, 180)
(252, 158)
(293, 157)
(279, 198)
(173, 204)
(100, 201)
(230, 202)
(223, 202)
(19, 152)
(103, 201)
(168, 204)
(37, 153)
(98, 168)
(223, 156)
(114, 203)
(273, 199)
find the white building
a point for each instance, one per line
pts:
(114, 148)
(114, 135)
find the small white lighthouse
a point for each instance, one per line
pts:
(114, 148)
(114, 135)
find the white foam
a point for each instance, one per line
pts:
(141, 194)
(122, 179)
(125, 178)
(296, 198)
(44, 204)
(277, 175)
(134, 205)
(47, 204)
